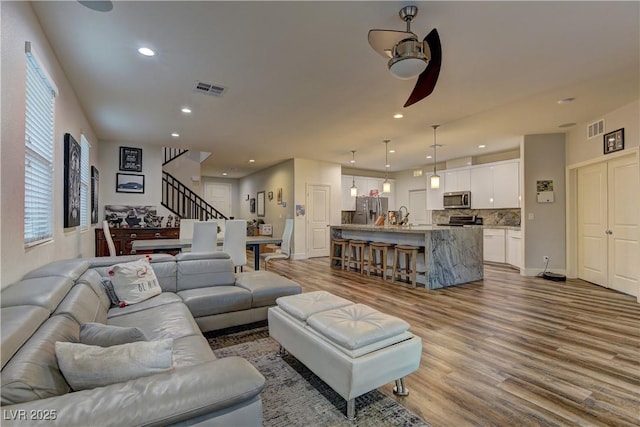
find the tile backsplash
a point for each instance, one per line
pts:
(509, 217)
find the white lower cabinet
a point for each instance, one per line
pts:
(514, 248)
(494, 245)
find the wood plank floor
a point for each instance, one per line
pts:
(507, 350)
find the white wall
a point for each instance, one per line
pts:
(184, 168)
(405, 182)
(152, 159)
(544, 159)
(312, 172)
(19, 24)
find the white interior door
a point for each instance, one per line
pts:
(418, 207)
(592, 223)
(218, 195)
(608, 224)
(318, 220)
(624, 252)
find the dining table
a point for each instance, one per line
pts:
(165, 245)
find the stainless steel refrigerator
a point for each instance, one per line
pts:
(368, 209)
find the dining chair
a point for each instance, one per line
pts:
(235, 242)
(109, 239)
(205, 236)
(285, 249)
(186, 228)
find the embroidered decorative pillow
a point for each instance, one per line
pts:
(134, 281)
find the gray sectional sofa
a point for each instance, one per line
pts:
(200, 292)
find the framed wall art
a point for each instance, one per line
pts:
(614, 141)
(129, 183)
(95, 191)
(71, 181)
(131, 159)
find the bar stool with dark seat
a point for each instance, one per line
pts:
(409, 254)
(378, 252)
(356, 255)
(339, 253)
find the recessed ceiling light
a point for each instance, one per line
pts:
(428, 157)
(146, 51)
(392, 151)
(251, 161)
(398, 116)
(482, 146)
(224, 174)
(566, 100)
(186, 110)
(175, 135)
(566, 125)
(387, 166)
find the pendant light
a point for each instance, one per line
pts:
(386, 185)
(435, 178)
(354, 189)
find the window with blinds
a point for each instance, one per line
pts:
(38, 179)
(84, 183)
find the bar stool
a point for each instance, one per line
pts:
(410, 256)
(356, 255)
(378, 250)
(339, 248)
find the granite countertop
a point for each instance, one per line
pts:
(397, 228)
(503, 227)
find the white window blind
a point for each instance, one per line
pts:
(84, 182)
(38, 197)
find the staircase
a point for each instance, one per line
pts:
(180, 199)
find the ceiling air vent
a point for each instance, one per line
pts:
(208, 89)
(595, 129)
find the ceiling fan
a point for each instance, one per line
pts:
(409, 57)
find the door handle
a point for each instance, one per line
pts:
(608, 232)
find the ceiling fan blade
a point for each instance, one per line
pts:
(427, 80)
(382, 41)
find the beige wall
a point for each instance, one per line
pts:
(543, 234)
(184, 168)
(19, 24)
(581, 149)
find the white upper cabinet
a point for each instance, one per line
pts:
(457, 180)
(348, 202)
(496, 186)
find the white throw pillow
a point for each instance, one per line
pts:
(134, 281)
(89, 366)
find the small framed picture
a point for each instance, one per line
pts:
(614, 141)
(129, 183)
(131, 159)
(270, 195)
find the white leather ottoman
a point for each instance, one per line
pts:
(351, 347)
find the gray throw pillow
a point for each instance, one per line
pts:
(87, 366)
(108, 287)
(107, 335)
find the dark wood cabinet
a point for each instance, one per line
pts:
(122, 238)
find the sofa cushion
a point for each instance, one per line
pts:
(69, 268)
(89, 366)
(216, 300)
(33, 373)
(108, 335)
(134, 281)
(82, 305)
(165, 321)
(304, 305)
(162, 299)
(191, 350)
(200, 270)
(18, 324)
(94, 280)
(45, 292)
(266, 287)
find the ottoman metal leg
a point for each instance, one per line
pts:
(351, 409)
(282, 352)
(400, 389)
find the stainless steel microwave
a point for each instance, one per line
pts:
(457, 200)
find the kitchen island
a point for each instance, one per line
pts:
(452, 255)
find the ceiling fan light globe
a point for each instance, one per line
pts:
(407, 68)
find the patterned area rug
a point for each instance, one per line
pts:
(294, 396)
